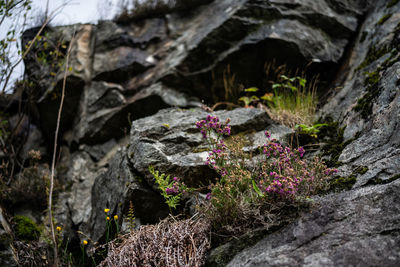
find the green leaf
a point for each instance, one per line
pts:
(251, 89)
(246, 100)
(258, 191)
(302, 82)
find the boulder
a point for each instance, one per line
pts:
(105, 112)
(359, 227)
(170, 142)
(114, 189)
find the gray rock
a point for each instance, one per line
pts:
(119, 64)
(74, 205)
(106, 113)
(170, 141)
(241, 33)
(358, 227)
(114, 189)
(370, 110)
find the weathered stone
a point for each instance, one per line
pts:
(358, 227)
(119, 64)
(106, 113)
(170, 142)
(28, 134)
(114, 189)
(369, 102)
(246, 34)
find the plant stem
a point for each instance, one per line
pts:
(56, 259)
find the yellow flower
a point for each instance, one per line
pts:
(58, 228)
(106, 210)
(115, 217)
(108, 218)
(84, 242)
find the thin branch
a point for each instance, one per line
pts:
(46, 22)
(56, 260)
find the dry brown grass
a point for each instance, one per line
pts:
(169, 243)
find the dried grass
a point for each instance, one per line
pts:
(169, 243)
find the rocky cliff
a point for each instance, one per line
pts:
(135, 90)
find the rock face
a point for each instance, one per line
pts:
(360, 226)
(135, 89)
(170, 142)
(117, 70)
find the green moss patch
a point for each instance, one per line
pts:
(384, 19)
(342, 183)
(25, 228)
(364, 104)
(376, 181)
(332, 135)
(373, 54)
(361, 170)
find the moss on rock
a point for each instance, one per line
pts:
(384, 18)
(377, 180)
(342, 183)
(25, 228)
(373, 54)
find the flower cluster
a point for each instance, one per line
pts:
(171, 189)
(175, 188)
(212, 123)
(282, 173)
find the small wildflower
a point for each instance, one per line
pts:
(108, 218)
(58, 228)
(115, 217)
(84, 242)
(106, 210)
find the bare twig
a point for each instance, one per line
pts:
(46, 22)
(55, 153)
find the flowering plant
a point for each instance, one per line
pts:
(171, 189)
(279, 177)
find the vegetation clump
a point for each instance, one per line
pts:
(246, 196)
(136, 9)
(170, 243)
(342, 183)
(25, 228)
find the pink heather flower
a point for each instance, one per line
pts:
(171, 191)
(176, 179)
(267, 134)
(301, 151)
(208, 196)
